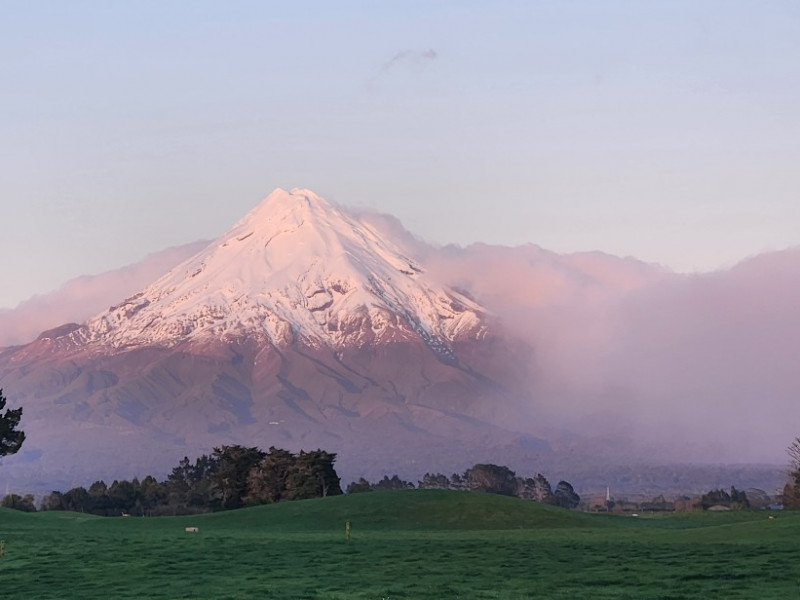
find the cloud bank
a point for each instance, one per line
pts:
(645, 363)
(698, 368)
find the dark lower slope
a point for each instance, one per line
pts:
(394, 408)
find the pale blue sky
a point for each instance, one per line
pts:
(665, 130)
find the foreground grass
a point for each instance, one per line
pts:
(411, 544)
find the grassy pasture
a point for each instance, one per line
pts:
(409, 544)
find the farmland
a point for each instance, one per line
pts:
(406, 544)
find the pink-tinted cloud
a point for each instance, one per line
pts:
(643, 361)
(714, 357)
(81, 298)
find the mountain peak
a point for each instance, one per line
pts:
(280, 205)
(303, 193)
(279, 197)
(295, 268)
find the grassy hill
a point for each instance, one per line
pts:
(407, 544)
(426, 510)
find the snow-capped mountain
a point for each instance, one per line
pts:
(301, 326)
(295, 268)
(307, 325)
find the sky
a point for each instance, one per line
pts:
(667, 131)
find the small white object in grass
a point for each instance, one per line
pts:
(192, 529)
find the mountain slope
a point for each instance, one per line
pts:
(299, 327)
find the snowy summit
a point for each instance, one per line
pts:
(295, 269)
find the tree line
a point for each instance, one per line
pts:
(230, 477)
(735, 499)
(487, 478)
(236, 476)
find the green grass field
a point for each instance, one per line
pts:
(409, 544)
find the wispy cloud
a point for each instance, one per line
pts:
(411, 58)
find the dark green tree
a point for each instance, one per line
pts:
(11, 438)
(393, 483)
(153, 494)
(229, 478)
(360, 486)
(100, 501)
(459, 483)
(53, 501)
(791, 491)
(17, 502)
(122, 496)
(313, 476)
(536, 488)
(492, 479)
(715, 497)
(78, 500)
(188, 487)
(267, 479)
(736, 499)
(565, 495)
(739, 499)
(434, 481)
